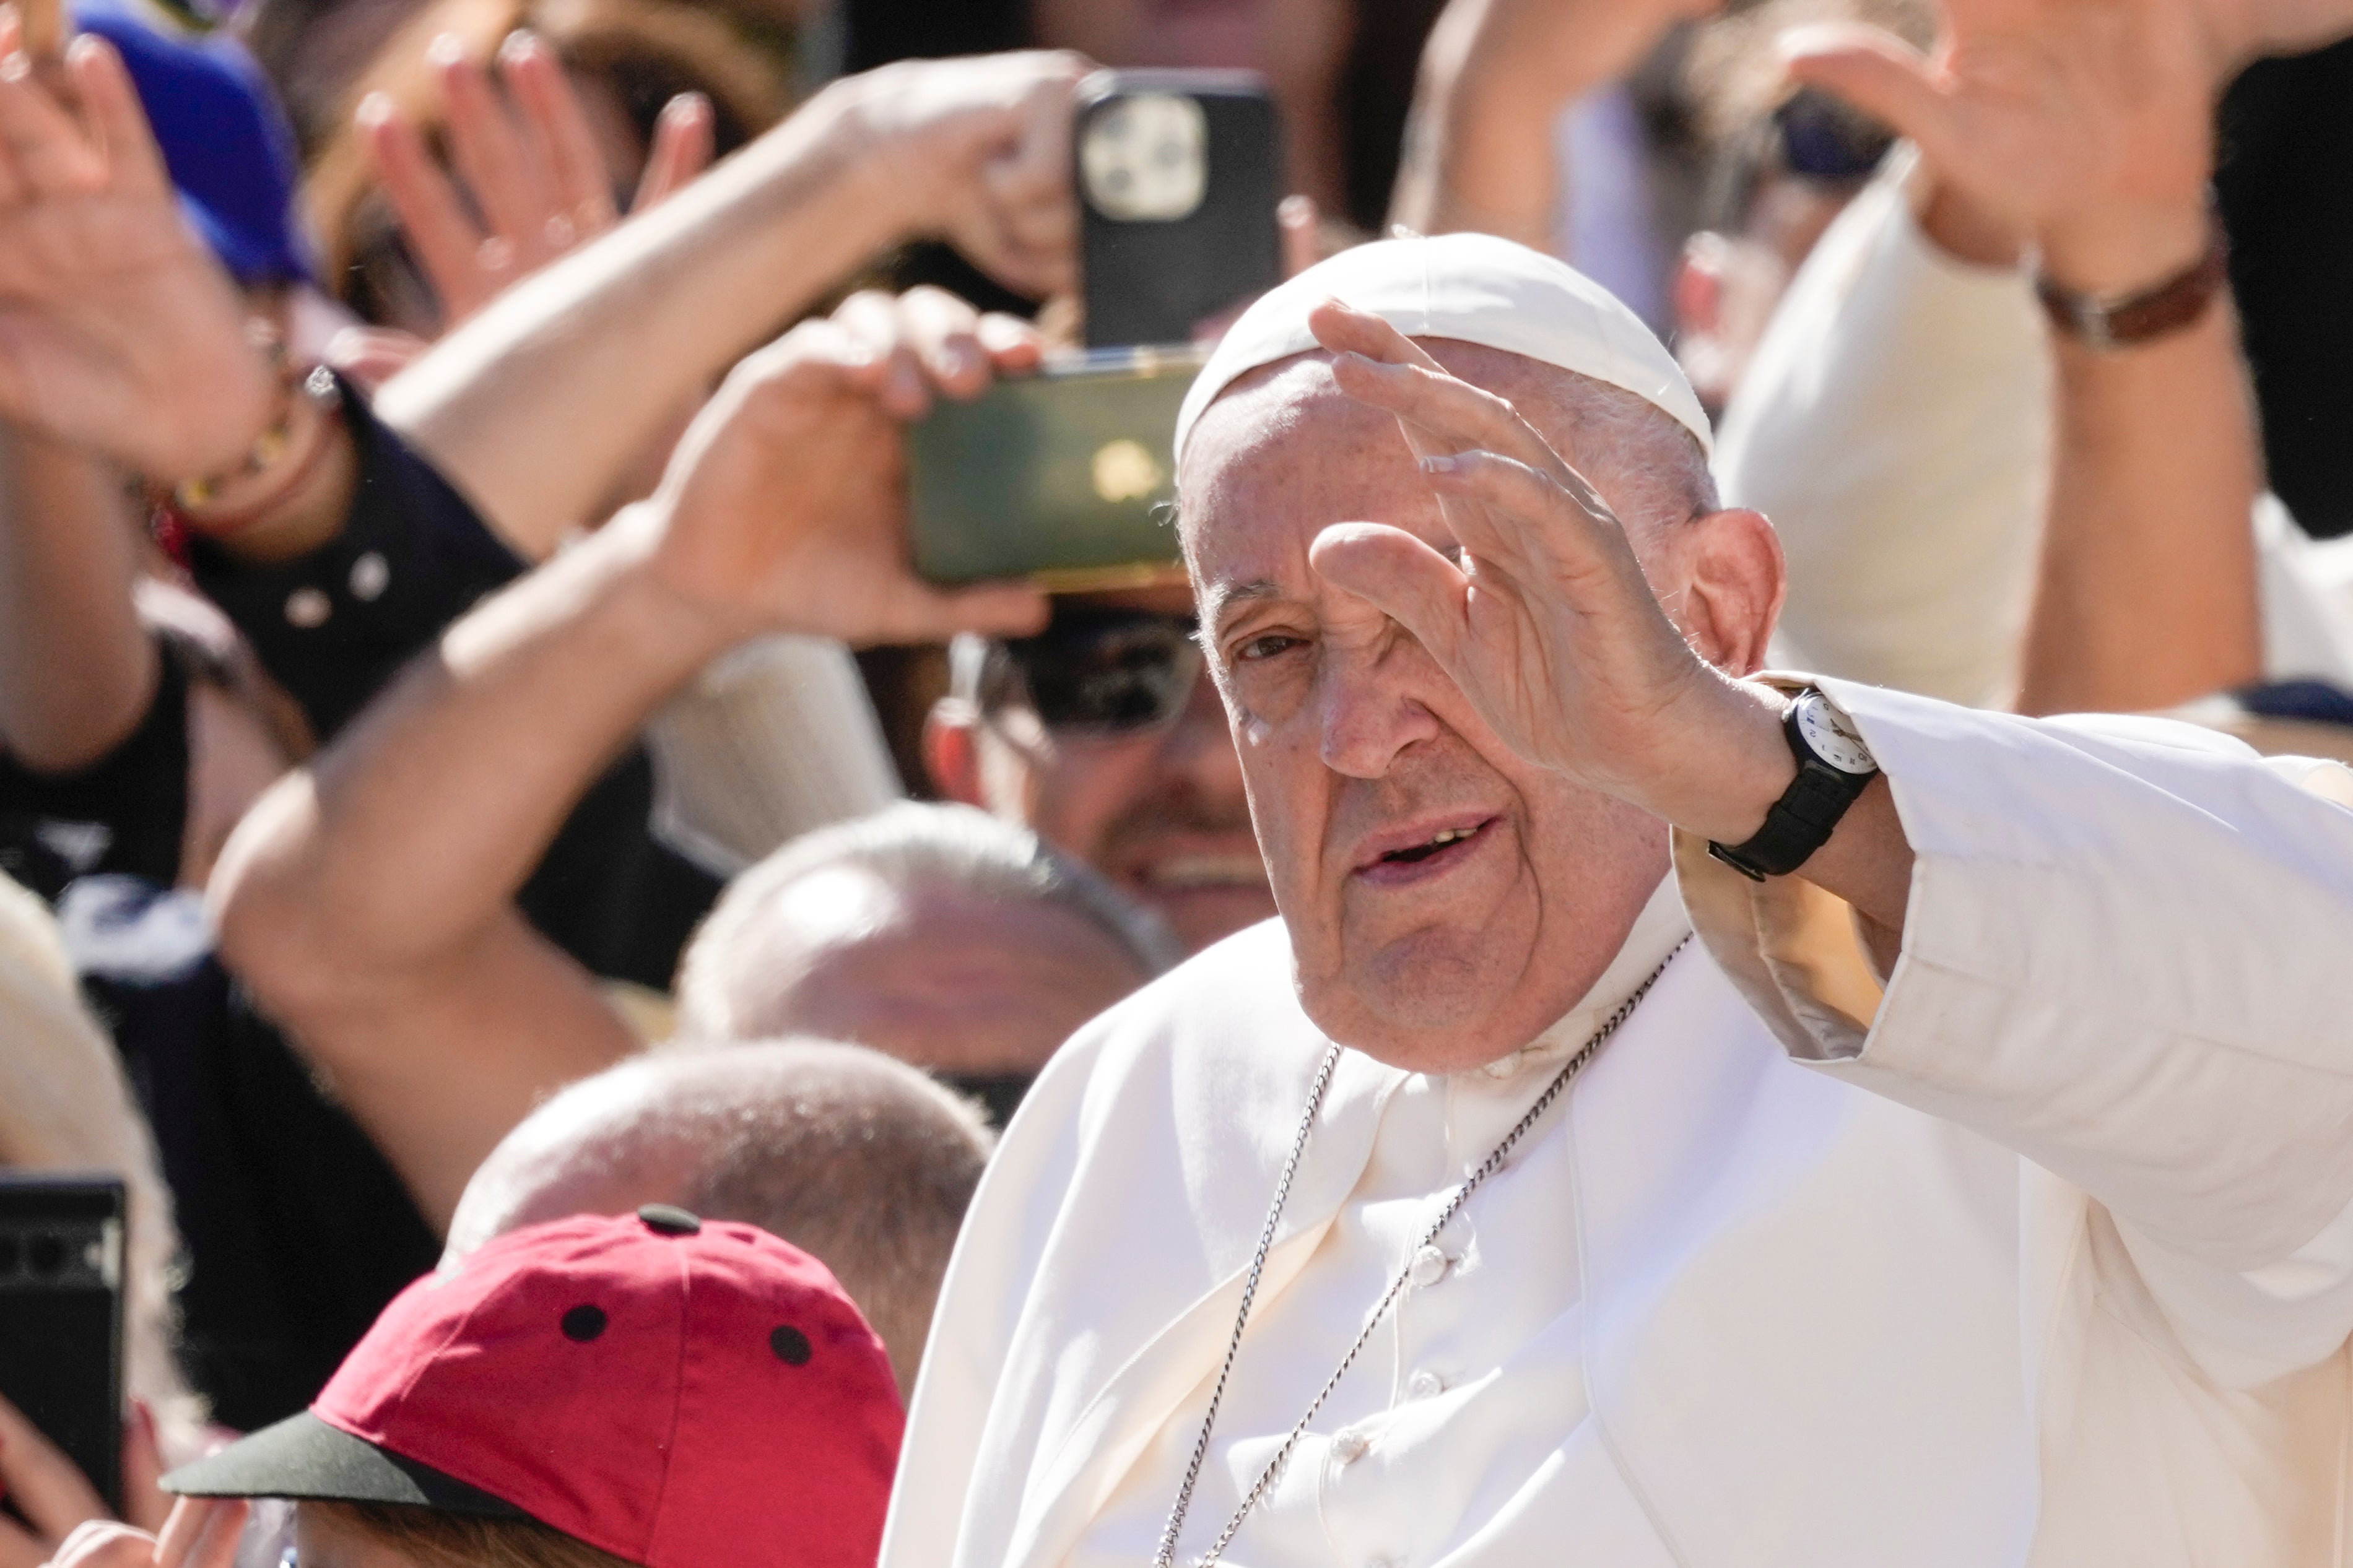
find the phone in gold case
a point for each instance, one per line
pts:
(1062, 478)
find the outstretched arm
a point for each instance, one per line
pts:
(366, 899)
(533, 407)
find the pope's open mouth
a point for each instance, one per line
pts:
(1427, 856)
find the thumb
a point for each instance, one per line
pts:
(1879, 74)
(1399, 575)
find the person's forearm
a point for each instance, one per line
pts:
(534, 406)
(77, 670)
(408, 837)
(1495, 75)
(2146, 594)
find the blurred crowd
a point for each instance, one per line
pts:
(474, 754)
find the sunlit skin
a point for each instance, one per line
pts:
(1355, 745)
(1160, 812)
(934, 976)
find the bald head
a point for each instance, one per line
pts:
(938, 934)
(851, 1156)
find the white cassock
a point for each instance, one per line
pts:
(2040, 1253)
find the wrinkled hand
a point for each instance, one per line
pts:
(537, 178)
(2086, 124)
(1544, 620)
(118, 332)
(785, 505)
(977, 151)
(200, 1533)
(57, 1499)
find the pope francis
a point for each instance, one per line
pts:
(1682, 1116)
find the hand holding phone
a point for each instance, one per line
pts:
(1177, 177)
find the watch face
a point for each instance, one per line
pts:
(1831, 735)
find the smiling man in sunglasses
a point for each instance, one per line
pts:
(1102, 734)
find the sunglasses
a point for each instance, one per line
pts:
(1824, 139)
(1102, 671)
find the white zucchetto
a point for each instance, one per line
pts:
(1473, 286)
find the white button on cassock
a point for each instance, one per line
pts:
(1350, 1446)
(1429, 1268)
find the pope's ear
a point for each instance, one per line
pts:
(1734, 581)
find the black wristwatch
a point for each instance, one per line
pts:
(1833, 767)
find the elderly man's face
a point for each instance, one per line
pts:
(1446, 899)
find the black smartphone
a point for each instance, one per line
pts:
(61, 1315)
(1063, 477)
(1178, 176)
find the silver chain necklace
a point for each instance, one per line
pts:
(1165, 1556)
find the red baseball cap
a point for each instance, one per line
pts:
(678, 1394)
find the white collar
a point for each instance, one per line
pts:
(1661, 924)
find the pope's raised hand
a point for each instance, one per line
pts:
(784, 506)
(118, 332)
(1542, 616)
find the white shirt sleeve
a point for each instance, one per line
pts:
(2123, 957)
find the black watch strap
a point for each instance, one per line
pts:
(1802, 820)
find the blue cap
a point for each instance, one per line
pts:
(229, 148)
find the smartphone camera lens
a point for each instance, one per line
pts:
(47, 1255)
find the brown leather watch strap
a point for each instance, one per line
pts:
(2112, 322)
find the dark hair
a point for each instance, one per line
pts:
(466, 1541)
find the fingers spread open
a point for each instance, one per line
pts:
(685, 140)
(551, 108)
(1523, 520)
(1450, 414)
(111, 102)
(489, 153)
(441, 234)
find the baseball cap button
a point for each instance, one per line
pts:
(791, 1345)
(666, 1219)
(584, 1323)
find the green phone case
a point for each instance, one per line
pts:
(1063, 477)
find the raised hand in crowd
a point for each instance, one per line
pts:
(367, 898)
(55, 1501)
(118, 333)
(539, 182)
(1495, 75)
(2082, 130)
(536, 407)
